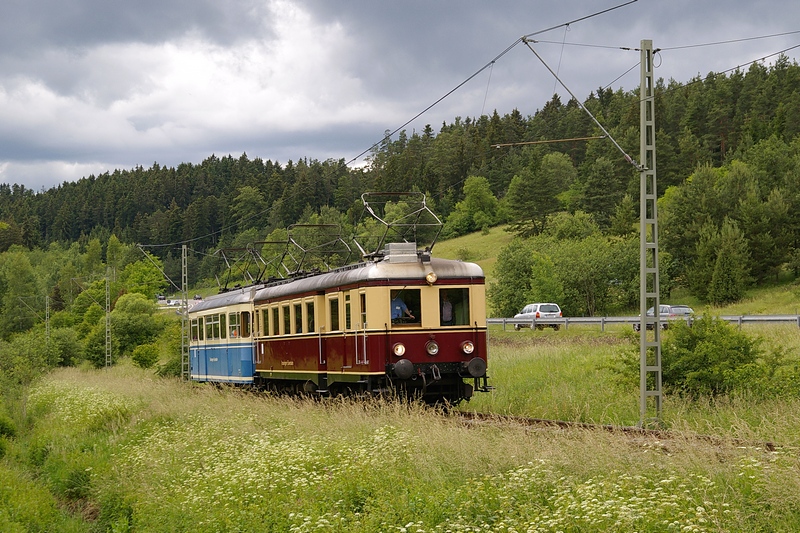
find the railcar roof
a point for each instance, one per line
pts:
(380, 270)
(236, 296)
(360, 272)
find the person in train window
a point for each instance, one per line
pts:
(399, 307)
(447, 310)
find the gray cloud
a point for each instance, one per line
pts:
(93, 85)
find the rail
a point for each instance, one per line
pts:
(602, 321)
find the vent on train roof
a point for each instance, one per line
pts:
(401, 252)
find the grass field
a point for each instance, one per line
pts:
(120, 450)
(476, 247)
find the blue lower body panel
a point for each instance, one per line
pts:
(223, 363)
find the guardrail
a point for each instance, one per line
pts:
(603, 320)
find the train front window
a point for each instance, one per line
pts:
(405, 306)
(454, 307)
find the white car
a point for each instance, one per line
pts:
(538, 311)
(667, 313)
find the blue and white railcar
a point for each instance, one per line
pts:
(222, 344)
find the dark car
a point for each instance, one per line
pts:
(667, 313)
(536, 311)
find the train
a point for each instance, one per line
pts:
(398, 322)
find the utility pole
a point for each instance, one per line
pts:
(184, 315)
(47, 319)
(108, 321)
(649, 344)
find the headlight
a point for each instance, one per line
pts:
(467, 347)
(431, 278)
(399, 349)
(432, 347)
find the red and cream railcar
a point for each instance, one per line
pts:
(335, 332)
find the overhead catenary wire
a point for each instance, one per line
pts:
(527, 39)
(524, 143)
(668, 48)
(487, 65)
(628, 158)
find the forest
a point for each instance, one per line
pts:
(728, 167)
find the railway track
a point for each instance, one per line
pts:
(659, 434)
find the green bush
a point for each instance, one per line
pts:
(713, 357)
(703, 359)
(145, 355)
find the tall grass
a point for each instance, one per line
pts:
(124, 451)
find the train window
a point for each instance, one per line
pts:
(245, 324)
(310, 316)
(363, 298)
(298, 318)
(215, 327)
(454, 307)
(348, 322)
(209, 327)
(276, 321)
(405, 306)
(287, 320)
(234, 328)
(334, 308)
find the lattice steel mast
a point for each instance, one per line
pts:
(649, 344)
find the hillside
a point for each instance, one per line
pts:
(778, 297)
(477, 247)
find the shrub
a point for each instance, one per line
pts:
(703, 359)
(145, 355)
(710, 358)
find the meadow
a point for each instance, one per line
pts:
(122, 450)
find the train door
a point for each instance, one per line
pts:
(232, 347)
(311, 322)
(330, 349)
(360, 344)
(350, 344)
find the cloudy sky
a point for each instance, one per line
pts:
(88, 86)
